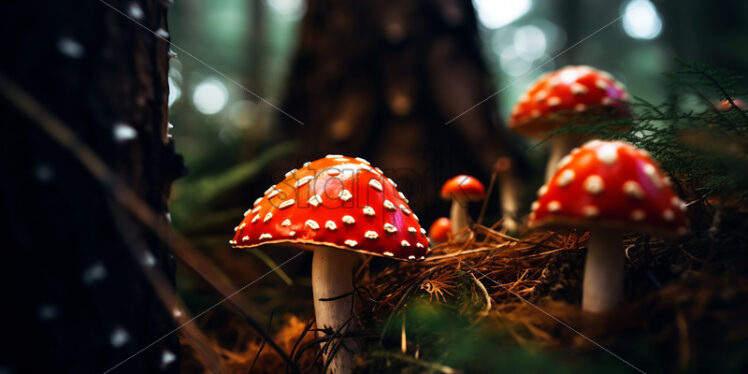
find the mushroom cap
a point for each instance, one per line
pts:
(336, 201)
(440, 229)
(725, 105)
(463, 187)
(610, 184)
(565, 93)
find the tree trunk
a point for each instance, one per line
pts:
(394, 82)
(75, 298)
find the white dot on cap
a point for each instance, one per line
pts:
(390, 228)
(565, 178)
(330, 225)
(286, 204)
(668, 215)
(553, 101)
(563, 162)
(535, 205)
(375, 184)
(388, 254)
(542, 190)
(554, 206)
(369, 211)
(601, 84)
(651, 173)
(286, 222)
(345, 195)
(348, 220)
(351, 243)
(607, 153)
(638, 215)
(578, 88)
(633, 189)
(541, 95)
(312, 224)
(594, 184)
(389, 205)
(371, 235)
(405, 243)
(590, 211)
(266, 236)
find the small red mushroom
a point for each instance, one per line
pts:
(609, 188)
(725, 106)
(557, 97)
(461, 190)
(440, 230)
(336, 207)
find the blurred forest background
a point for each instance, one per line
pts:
(380, 80)
(257, 87)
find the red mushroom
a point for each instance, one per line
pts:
(440, 229)
(337, 207)
(725, 105)
(609, 188)
(461, 190)
(561, 95)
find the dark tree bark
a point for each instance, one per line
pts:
(393, 82)
(75, 298)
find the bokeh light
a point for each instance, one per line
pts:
(641, 19)
(497, 13)
(210, 96)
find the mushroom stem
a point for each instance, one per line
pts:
(508, 186)
(332, 276)
(603, 271)
(458, 215)
(560, 146)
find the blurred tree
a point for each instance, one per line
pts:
(396, 82)
(75, 297)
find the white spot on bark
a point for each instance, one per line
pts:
(94, 273)
(124, 132)
(119, 337)
(70, 48)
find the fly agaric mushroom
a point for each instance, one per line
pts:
(440, 229)
(336, 207)
(609, 188)
(564, 94)
(461, 190)
(725, 105)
